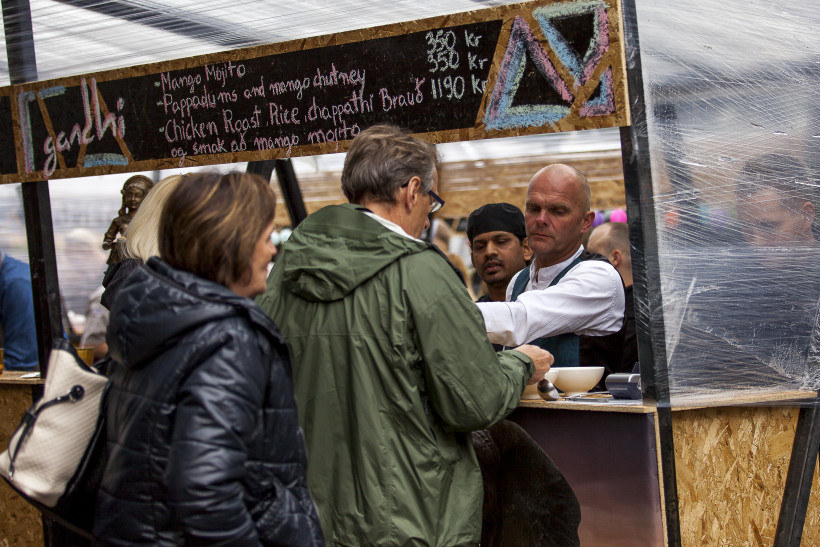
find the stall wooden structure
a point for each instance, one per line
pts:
(21, 523)
(731, 464)
(701, 474)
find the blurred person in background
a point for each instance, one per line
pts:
(756, 322)
(441, 239)
(776, 198)
(80, 268)
(18, 334)
(140, 245)
(204, 445)
(776, 202)
(611, 240)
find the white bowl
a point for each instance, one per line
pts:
(575, 380)
(531, 392)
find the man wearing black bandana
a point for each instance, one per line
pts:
(498, 246)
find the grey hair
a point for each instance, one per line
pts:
(381, 159)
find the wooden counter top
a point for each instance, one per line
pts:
(709, 398)
(591, 402)
(16, 377)
(703, 398)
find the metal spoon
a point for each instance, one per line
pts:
(547, 390)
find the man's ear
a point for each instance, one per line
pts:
(807, 208)
(586, 223)
(412, 193)
(525, 247)
(616, 258)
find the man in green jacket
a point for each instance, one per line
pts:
(392, 365)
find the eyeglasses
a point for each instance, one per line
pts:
(437, 202)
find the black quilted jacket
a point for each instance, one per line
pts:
(204, 445)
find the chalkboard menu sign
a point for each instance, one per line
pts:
(537, 67)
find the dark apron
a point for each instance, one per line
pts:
(564, 347)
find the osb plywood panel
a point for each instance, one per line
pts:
(731, 468)
(20, 523)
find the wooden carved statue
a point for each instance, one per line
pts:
(133, 192)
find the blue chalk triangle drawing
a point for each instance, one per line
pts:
(603, 101)
(501, 113)
(580, 67)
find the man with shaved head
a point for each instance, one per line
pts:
(566, 293)
(611, 240)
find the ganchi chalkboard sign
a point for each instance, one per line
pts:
(529, 68)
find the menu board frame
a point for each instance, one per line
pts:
(535, 67)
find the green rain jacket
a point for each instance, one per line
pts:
(392, 370)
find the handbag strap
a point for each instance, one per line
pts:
(74, 394)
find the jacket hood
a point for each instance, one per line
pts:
(338, 248)
(157, 304)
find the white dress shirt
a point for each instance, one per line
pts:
(390, 225)
(588, 300)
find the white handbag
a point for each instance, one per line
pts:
(59, 440)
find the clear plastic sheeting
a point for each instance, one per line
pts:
(732, 105)
(107, 34)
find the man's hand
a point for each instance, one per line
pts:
(540, 357)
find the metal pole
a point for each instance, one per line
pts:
(36, 200)
(804, 460)
(291, 191)
(39, 227)
(288, 184)
(43, 264)
(643, 235)
(19, 41)
(262, 168)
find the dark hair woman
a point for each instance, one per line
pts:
(204, 445)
